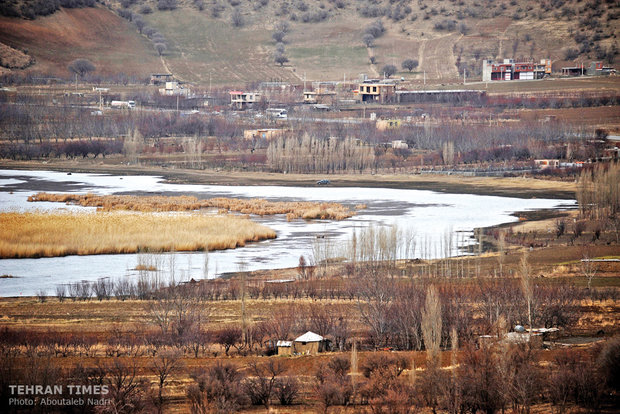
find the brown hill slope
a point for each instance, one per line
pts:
(92, 33)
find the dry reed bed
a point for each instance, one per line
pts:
(293, 209)
(60, 234)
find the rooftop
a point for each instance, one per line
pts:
(309, 337)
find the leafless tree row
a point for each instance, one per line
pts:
(310, 154)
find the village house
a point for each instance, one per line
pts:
(320, 94)
(547, 163)
(264, 133)
(536, 338)
(508, 69)
(242, 100)
(573, 70)
(375, 90)
(385, 124)
(598, 69)
(285, 348)
(173, 89)
(399, 144)
(161, 78)
(307, 344)
(595, 69)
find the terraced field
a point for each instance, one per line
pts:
(213, 50)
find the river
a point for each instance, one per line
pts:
(433, 219)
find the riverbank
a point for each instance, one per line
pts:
(519, 187)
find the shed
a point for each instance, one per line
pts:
(309, 343)
(285, 347)
(535, 339)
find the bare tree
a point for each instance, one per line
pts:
(501, 247)
(321, 319)
(432, 323)
(431, 332)
(389, 70)
(236, 18)
(302, 268)
(588, 267)
(280, 58)
(167, 4)
(375, 305)
(368, 40)
(217, 388)
(132, 146)
(229, 337)
(354, 367)
(81, 67)
(139, 22)
(448, 154)
(409, 64)
(161, 48)
(125, 388)
(164, 365)
(278, 36)
(286, 390)
(525, 271)
(260, 385)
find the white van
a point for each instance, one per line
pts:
(278, 113)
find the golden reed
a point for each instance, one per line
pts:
(61, 234)
(293, 209)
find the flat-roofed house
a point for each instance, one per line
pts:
(243, 100)
(373, 90)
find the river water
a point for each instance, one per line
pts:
(431, 219)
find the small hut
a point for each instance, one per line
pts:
(285, 347)
(309, 344)
(535, 339)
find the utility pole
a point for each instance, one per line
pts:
(177, 103)
(464, 72)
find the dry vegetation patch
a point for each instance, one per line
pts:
(293, 209)
(54, 234)
(14, 59)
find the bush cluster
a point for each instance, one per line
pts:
(30, 9)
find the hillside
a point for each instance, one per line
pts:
(96, 34)
(228, 42)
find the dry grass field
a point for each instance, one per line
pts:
(292, 209)
(48, 235)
